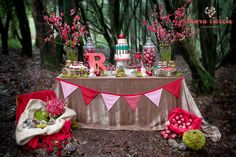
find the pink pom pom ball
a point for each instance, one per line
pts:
(173, 135)
(173, 121)
(167, 131)
(165, 136)
(163, 132)
(188, 123)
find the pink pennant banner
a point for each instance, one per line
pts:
(132, 101)
(109, 100)
(67, 88)
(155, 96)
(174, 87)
(88, 94)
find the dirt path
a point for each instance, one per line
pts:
(22, 75)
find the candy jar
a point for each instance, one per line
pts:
(149, 53)
(89, 46)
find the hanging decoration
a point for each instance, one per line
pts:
(110, 99)
(67, 88)
(155, 96)
(132, 101)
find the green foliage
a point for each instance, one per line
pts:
(194, 139)
(72, 54)
(12, 43)
(41, 115)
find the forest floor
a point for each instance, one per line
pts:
(23, 75)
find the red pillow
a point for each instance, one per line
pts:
(181, 121)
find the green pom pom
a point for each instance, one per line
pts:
(41, 115)
(194, 139)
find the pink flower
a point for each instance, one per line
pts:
(66, 31)
(72, 12)
(55, 107)
(45, 18)
(144, 22)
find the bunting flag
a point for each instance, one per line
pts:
(67, 88)
(174, 87)
(155, 96)
(109, 100)
(88, 94)
(132, 101)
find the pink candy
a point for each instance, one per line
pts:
(148, 56)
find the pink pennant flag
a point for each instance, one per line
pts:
(67, 88)
(109, 100)
(88, 94)
(155, 96)
(174, 87)
(132, 101)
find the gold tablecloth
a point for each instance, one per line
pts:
(147, 116)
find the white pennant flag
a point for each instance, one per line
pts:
(155, 96)
(67, 88)
(109, 100)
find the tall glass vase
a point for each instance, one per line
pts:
(71, 53)
(166, 54)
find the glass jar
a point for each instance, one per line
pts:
(89, 46)
(149, 53)
(71, 53)
(166, 54)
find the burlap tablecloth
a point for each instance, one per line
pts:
(147, 116)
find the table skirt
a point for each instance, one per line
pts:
(147, 115)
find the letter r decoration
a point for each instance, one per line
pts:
(96, 60)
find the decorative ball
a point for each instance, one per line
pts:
(121, 36)
(194, 139)
(165, 135)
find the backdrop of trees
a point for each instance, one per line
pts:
(105, 19)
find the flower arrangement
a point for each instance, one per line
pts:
(69, 33)
(169, 27)
(46, 115)
(55, 107)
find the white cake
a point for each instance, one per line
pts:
(122, 53)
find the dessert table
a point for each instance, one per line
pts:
(147, 115)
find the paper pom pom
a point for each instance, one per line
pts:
(194, 139)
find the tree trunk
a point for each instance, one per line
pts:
(232, 54)
(202, 80)
(24, 27)
(48, 52)
(4, 34)
(208, 40)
